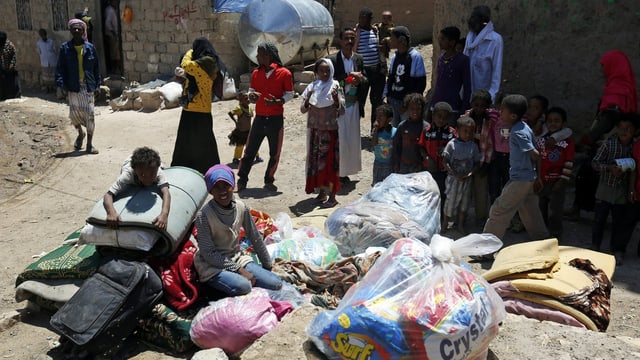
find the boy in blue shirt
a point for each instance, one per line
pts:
(518, 194)
(382, 139)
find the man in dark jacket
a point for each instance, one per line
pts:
(349, 71)
(79, 81)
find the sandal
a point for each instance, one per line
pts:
(92, 150)
(321, 198)
(78, 144)
(328, 204)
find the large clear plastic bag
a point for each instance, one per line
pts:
(417, 302)
(357, 226)
(403, 205)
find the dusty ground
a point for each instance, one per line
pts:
(47, 190)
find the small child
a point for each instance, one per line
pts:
(239, 135)
(382, 140)
(433, 139)
(518, 195)
(556, 165)
(142, 169)
(219, 262)
(612, 192)
(461, 158)
(485, 119)
(48, 61)
(536, 108)
(406, 157)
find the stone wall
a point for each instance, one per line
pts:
(164, 29)
(553, 47)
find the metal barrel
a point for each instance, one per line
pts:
(299, 28)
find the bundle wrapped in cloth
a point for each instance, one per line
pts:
(403, 205)
(564, 284)
(418, 301)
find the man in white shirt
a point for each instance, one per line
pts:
(484, 49)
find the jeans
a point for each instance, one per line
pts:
(234, 284)
(398, 114)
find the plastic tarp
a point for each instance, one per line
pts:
(230, 6)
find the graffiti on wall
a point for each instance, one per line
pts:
(179, 12)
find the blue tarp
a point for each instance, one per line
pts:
(233, 6)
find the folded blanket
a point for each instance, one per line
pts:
(140, 205)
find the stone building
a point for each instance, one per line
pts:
(554, 47)
(160, 31)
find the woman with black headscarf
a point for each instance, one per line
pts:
(196, 145)
(9, 85)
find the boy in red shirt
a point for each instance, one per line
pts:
(432, 141)
(556, 166)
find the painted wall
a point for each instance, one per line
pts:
(553, 47)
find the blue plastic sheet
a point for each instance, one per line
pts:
(230, 6)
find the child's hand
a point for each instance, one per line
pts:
(161, 221)
(550, 143)
(537, 185)
(253, 96)
(113, 219)
(247, 275)
(334, 95)
(616, 170)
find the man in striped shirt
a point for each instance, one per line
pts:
(367, 44)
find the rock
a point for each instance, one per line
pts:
(304, 76)
(299, 87)
(210, 354)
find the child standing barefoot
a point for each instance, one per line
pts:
(382, 139)
(461, 158)
(239, 135)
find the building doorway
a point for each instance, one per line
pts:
(112, 37)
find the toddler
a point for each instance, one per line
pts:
(382, 140)
(239, 135)
(461, 158)
(433, 139)
(406, 157)
(556, 165)
(141, 169)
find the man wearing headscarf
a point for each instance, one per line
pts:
(196, 145)
(9, 83)
(78, 75)
(270, 87)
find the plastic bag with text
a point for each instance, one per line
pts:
(417, 302)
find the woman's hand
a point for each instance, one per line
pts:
(247, 275)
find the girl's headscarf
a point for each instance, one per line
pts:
(620, 89)
(272, 50)
(82, 23)
(321, 96)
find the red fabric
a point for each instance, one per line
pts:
(179, 278)
(279, 82)
(433, 140)
(553, 161)
(620, 89)
(281, 308)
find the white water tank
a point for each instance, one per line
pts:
(301, 29)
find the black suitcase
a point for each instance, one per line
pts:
(108, 305)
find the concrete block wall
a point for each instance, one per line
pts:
(416, 15)
(158, 35)
(553, 48)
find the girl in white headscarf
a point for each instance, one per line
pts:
(323, 101)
